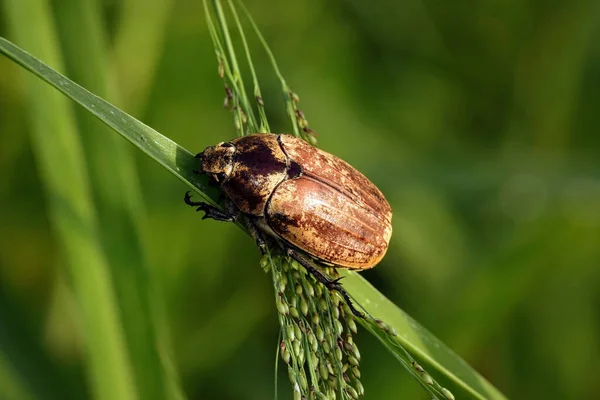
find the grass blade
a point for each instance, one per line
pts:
(177, 160)
(142, 26)
(120, 206)
(64, 173)
(11, 386)
(429, 351)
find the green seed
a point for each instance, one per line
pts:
(298, 332)
(221, 69)
(291, 375)
(297, 348)
(323, 305)
(352, 392)
(298, 288)
(355, 351)
(315, 346)
(315, 319)
(338, 354)
(336, 300)
(297, 395)
(314, 359)
(359, 388)
(282, 307)
(285, 356)
(310, 290)
(320, 334)
(427, 378)
(347, 310)
(328, 337)
(338, 327)
(333, 382)
(294, 312)
(352, 360)
(381, 325)
(417, 367)
(282, 283)
(447, 394)
(303, 383)
(356, 372)
(289, 330)
(352, 325)
(323, 371)
(336, 312)
(303, 306)
(330, 369)
(326, 347)
(319, 290)
(301, 359)
(265, 263)
(294, 265)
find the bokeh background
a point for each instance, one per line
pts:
(480, 122)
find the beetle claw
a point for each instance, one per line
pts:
(210, 211)
(336, 281)
(188, 200)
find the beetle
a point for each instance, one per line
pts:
(311, 202)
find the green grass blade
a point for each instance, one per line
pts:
(445, 365)
(177, 160)
(11, 386)
(27, 369)
(120, 206)
(64, 173)
(142, 26)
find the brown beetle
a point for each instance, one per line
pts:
(303, 197)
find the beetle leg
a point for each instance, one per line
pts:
(256, 235)
(331, 284)
(211, 211)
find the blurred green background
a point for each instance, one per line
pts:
(479, 121)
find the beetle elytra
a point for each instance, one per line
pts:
(311, 202)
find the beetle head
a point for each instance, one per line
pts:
(217, 161)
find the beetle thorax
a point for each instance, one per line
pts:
(259, 165)
(217, 161)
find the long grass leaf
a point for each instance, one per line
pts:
(142, 26)
(64, 174)
(11, 386)
(120, 207)
(428, 350)
(177, 160)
